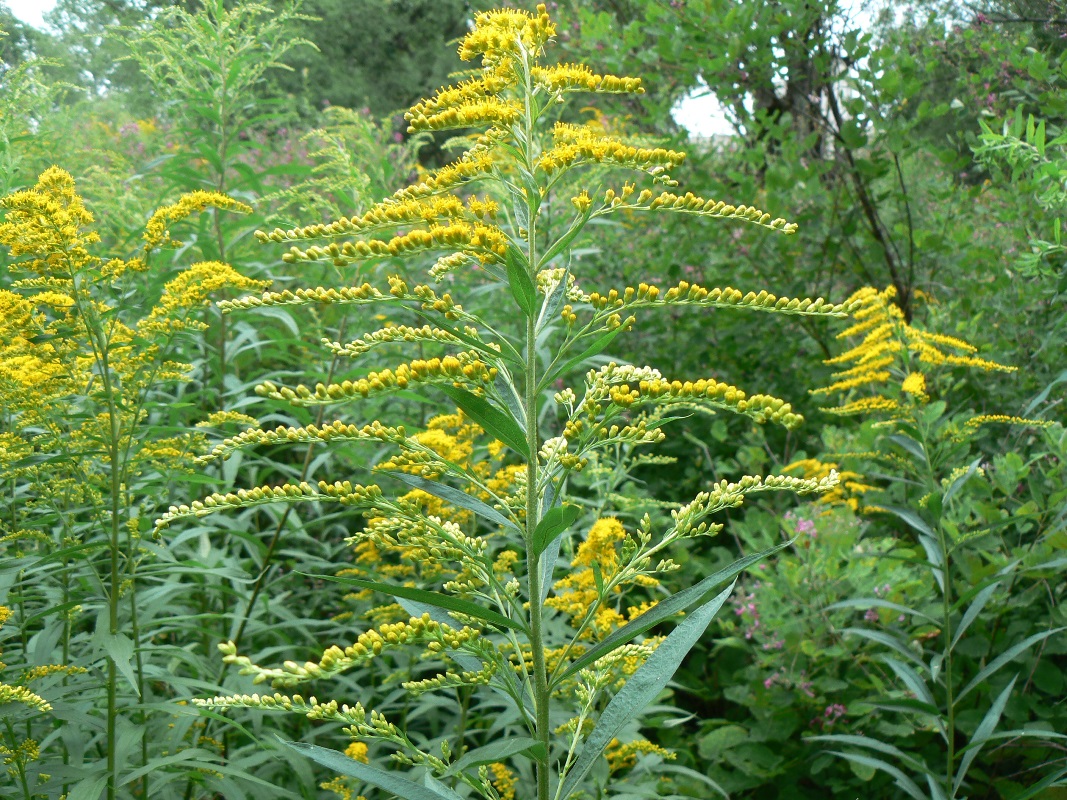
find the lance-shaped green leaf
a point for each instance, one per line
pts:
(1004, 658)
(494, 421)
(519, 281)
(552, 524)
(437, 599)
(497, 751)
(666, 608)
(973, 610)
(452, 495)
(642, 688)
(391, 782)
(597, 347)
(886, 639)
(982, 733)
(901, 780)
(874, 602)
(877, 745)
(553, 301)
(913, 519)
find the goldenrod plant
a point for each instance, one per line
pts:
(902, 375)
(560, 644)
(84, 358)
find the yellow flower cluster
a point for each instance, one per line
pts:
(396, 333)
(482, 112)
(369, 645)
(487, 242)
(46, 223)
(504, 781)
(849, 489)
(576, 593)
(579, 77)
(157, 233)
(463, 369)
(356, 295)
(575, 144)
(622, 756)
(504, 35)
(193, 288)
(890, 346)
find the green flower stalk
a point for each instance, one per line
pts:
(574, 665)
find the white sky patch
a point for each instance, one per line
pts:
(31, 11)
(702, 115)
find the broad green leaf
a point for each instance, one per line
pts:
(973, 610)
(519, 281)
(666, 608)
(494, 421)
(552, 524)
(982, 733)
(391, 782)
(998, 662)
(424, 596)
(497, 751)
(901, 780)
(642, 688)
(454, 496)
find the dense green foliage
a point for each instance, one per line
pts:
(916, 613)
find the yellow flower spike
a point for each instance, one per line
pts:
(156, 233)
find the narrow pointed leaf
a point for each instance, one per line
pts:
(998, 662)
(495, 422)
(874, 602)
(913, 519)
(552, 524)
(957, 484)
(437, 599)
(982, 733)
(522, 288)
(391, 782)
(496, 751)
(911, 679)
(973, 610)
(452, 495)
(877, 745)
(889, 641)
(642, 688)
(901, 780)
(1049, 780)
(553, 302)
(597, 347)
(666, 608)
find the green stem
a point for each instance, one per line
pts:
(115, 582)
(541, 695)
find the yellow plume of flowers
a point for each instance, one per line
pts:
(892, 347)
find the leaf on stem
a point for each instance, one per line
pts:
(494, 421)
(424, 596)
